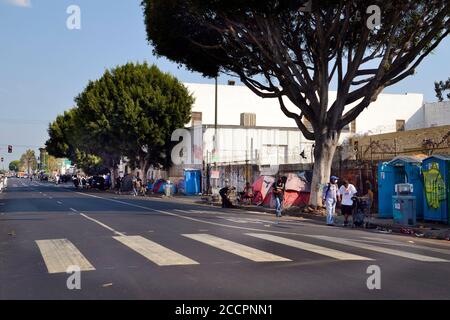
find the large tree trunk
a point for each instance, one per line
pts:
(325, 147)
(144, 165)
(113, 177)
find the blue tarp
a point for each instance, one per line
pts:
(192, 180)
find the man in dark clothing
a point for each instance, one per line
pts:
(224, 194)
(278, 193)
(119, 185)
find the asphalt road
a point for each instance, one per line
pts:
(135, 248)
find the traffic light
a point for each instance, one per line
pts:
(1, 159)
(10, 149)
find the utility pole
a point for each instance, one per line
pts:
(215, 126)
(215, 109)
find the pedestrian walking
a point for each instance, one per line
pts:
(347, 191)
(278, 193)
(135, 188)
(119, 185)
(329, 197)
(143, 190)
(369, 195)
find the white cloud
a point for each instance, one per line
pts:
(20, 3)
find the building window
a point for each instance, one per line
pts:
(400, 125)
(248, 119)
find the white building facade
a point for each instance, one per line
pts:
(254, 130)
(430, 115)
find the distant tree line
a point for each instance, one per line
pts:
(440, 87)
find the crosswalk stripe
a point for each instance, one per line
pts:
(403, 254)
(401, 244)
(60, 254)
(340, 255)
(236, 248)
(154, 252)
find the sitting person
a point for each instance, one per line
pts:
(225, 195)
(247, 194)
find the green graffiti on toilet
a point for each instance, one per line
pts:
(435, 189)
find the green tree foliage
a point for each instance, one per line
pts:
(62, 142)
(130, 111)
(14, 165)
(289, 50)
(28, 162)
(440, 87)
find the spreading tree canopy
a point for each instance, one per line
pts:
(294, 50)
(14, 165)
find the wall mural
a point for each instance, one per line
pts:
(435, 188)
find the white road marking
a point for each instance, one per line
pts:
(195, 219)
(200, 211)
(59, 254)
(58, 202)
(155, 252)
(340, 255)
(393, 252)
(400, 244)
(74, 210)
(102, 224)
(236, 248)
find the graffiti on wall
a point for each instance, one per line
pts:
(430, 145)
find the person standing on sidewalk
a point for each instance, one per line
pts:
(329, 197)
(278, 192)
(347, 191)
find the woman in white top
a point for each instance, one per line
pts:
(347, 191)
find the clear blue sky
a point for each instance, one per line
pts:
(43, 65)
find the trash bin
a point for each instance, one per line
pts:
(404, 210)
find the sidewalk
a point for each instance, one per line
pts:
(422, 229)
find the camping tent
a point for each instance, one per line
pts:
(127, 183)
(297, 191)
(261, 188)
(158, 186)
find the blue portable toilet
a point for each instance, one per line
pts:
(192, 178)
(386, 182)
(436, 180)
(402, 169)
